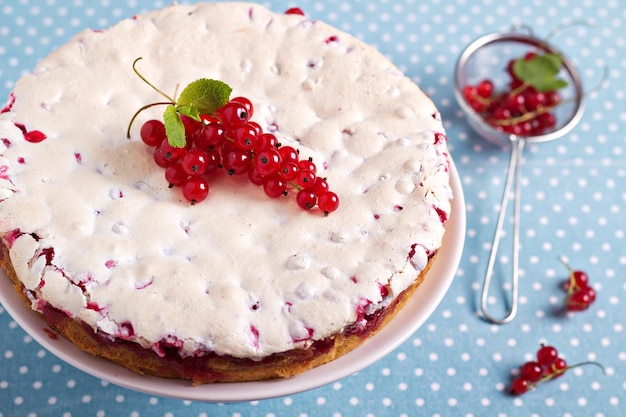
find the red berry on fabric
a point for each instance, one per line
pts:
(558, 368)
(581, 299)
(153, 132)
(519, 386)
(547, 355)
(195, 189)
(531, 371)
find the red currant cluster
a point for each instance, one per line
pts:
(521, 109)
(547, 366)
(231, 141)
(580, 295)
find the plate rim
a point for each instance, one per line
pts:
(406, 322)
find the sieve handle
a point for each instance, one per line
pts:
(512, 177)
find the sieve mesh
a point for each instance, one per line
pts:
(487, 58)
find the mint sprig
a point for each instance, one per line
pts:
(540, 72)
(203, 96)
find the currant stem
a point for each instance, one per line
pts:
(147, 106)
(149, 83)
(558, 372)
(572, 280)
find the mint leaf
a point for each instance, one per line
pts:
(190, 111)
(540, 72)
(205, 95)
(174, 128)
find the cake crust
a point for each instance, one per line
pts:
(118, 263)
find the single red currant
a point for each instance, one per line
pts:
(547, 355)
(320, 186)
(159, 158)
(211, 135)
(171, 153)
(306, 199)
(266, 141)
(246, 103)
(175, 175)
(236, 162)
(267, 162)
(245, 137)
(195, 162)
(531, 371)
(306, 178)
(274, 186)
(195, 189)
(485, 88)
(288, 153)
(307, 164)
(328, 202)
(519, 386)
(289, 171)
(153, 132)
(233, 114)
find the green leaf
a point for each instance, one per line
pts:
(205, 95)
(174, 128)
(540, 72)
(190, 111)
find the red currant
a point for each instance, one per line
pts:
(195, 189)
(233, 114)
(236, 162)
(531, 371)
(153, 132)
(289, 171)
(246, 103)
(306, 178)
(175, 175)
(306, 199)
(171, 153)
(320, 186)
(581, 299)
(519, 386)
(288, 153)
(267, 140)
(307, 164)
(294, 10)
(245, 137)
(485, 88)
(211, 135)
(547, 355)
(159, 158)
(195, 162)
(267, 162)
(328, 202)
(274, 186)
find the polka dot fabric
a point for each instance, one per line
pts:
(573, 205)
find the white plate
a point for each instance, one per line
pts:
(407, 321)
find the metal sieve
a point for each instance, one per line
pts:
(487, 57)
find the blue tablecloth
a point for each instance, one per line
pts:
(573, 205)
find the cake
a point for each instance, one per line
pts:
(241, 286)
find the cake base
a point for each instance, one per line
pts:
(208, 367)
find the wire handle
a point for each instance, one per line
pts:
(512, 177)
